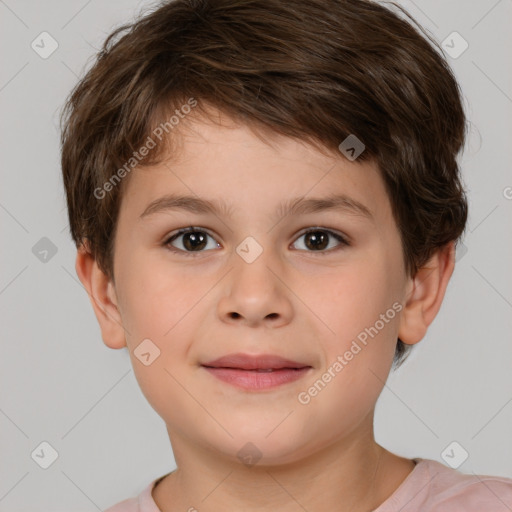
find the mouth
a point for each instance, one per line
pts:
(256, 372)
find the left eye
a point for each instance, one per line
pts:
(195, 240)
(318, 239)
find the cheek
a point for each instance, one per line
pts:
(354, 298)
(156, 299)
(359, 309)
(158, 309)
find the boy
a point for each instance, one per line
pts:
(265, 199)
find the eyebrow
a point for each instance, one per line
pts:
(295, 206)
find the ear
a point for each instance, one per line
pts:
(103, 298)
(425, 295)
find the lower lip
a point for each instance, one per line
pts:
(254, 380)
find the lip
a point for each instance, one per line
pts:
(256, 372)
(254, 362)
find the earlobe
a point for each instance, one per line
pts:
(426, 296)
(103, 298)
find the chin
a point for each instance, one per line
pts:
(264, 446)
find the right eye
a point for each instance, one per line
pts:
(194, 239)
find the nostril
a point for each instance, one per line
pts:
(234, 314)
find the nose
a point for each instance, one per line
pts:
(256, 294)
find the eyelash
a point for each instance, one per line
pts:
(192, 229)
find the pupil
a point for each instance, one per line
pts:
(194, 240)
(318, 239)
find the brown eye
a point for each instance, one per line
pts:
(318, 240)
(192, 240)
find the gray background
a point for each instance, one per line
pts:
(62, 385)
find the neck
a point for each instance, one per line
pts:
(354, 474)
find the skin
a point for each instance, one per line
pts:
(291, 301)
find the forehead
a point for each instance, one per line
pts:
(229, 165)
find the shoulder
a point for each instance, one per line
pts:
(142, 503)
(450, 489)
(434, 487)
(129, 505)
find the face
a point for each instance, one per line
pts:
(321, 287)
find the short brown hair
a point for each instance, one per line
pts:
(315, 70)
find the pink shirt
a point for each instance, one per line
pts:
(430, 487)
